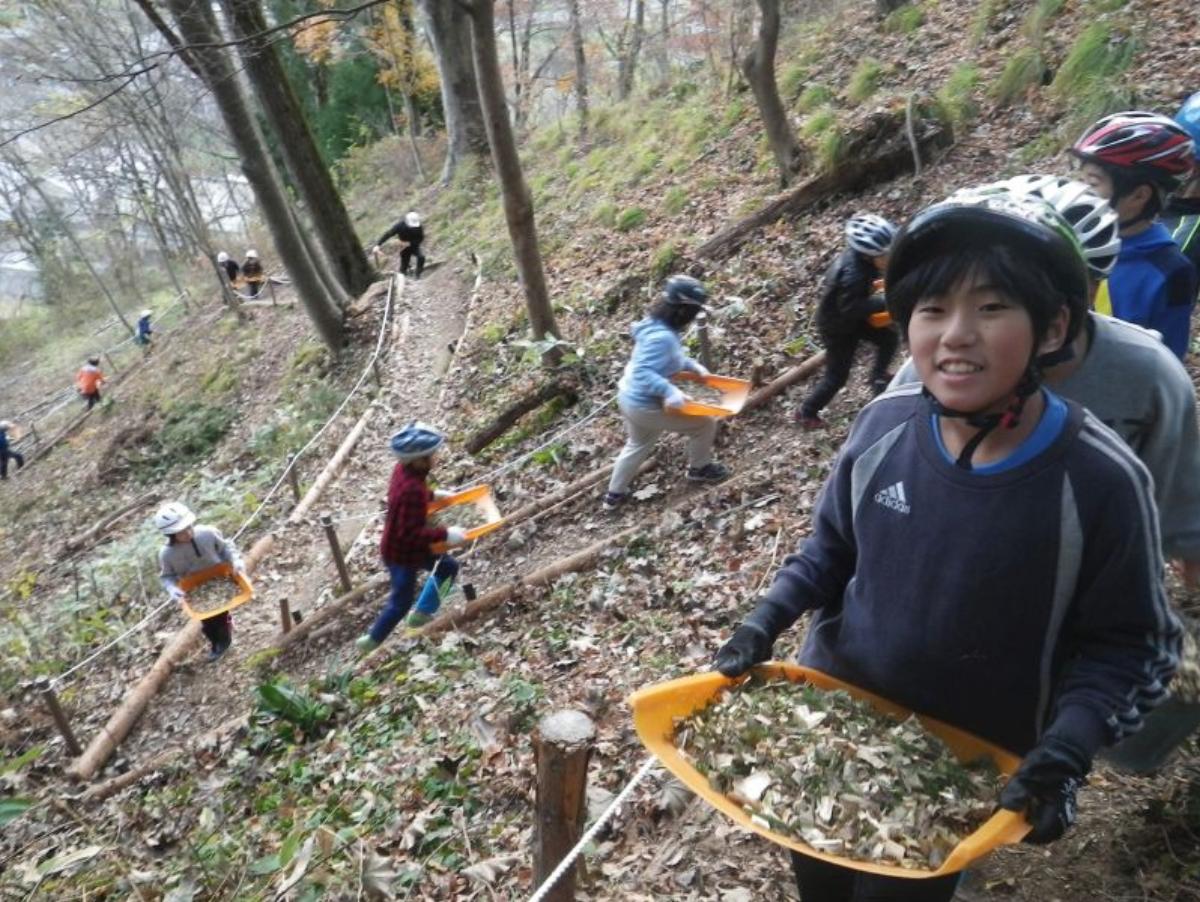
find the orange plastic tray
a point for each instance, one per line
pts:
(656, 707)
(244, 591)
(734, 393)
(485, 503)
(880, 319)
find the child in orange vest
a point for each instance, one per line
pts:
(88, 380)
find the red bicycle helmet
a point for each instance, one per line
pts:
(1141, 145)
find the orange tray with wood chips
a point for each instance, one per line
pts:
(655, 709)
(240, 589)
(734, 393)
(480, 496)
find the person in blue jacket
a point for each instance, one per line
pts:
(144, 330)
(649, 401)
(984, 552)
(6, 452)
(1136, 160)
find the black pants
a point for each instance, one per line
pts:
(407, 253)
(5, 454)
(93, 399)
(839, 357)
(820, 881)
(218, 630)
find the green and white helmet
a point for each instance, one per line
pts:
(990, 216)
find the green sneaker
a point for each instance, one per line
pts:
(416, 620)
(366, 644)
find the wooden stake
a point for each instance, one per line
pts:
(706, 352)
(336, 547)
(111, 365)
(293, 477)
(562, 745)
(285, 615)
(60, 718)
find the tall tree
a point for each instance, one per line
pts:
(631, 48)
(331, 222)
(518, 202)
(759, 67)
(198, 27)
(450, 33)
(581, 74)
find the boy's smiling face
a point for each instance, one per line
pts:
(972, 345)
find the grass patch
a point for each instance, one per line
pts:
(1024, 70)
(631, 219)
(605, 214)
(1044, 145)
(1097, 55)
(791, 80)
(1041, 14)
(954, 98)
(664, 260)
(830, 148)
(189, 433)
(904, 20)
(675, 200)
(819, 123)
(865, 81)
(814, 97)
(985, 15)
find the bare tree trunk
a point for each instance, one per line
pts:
(277, 100)
(197, 27)
(581, 74)
(759, 66)
(450, 34)
(664, 46)
(518, 203)
(627, 66)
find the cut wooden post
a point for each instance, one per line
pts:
(562, 745)
(60, 718)
(336, 547)
(285, 615)
(706, 353)
(111, 365)
(293, 477)
(758, 373)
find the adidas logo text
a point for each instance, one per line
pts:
(893, 497)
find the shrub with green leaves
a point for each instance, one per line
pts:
(814, 96)
(865, 81)
(630, 219)
(190, 433)
(1024, 70)
(282, 701)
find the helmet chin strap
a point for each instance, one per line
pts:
(1009, 418)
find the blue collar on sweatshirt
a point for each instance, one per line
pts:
(1048, 429)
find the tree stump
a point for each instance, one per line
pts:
(562, 746)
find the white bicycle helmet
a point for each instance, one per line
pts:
(412, 219)
(1093, 219)
(416, 440)
(222, 257)
(869, 234)
(173, 517)
(251, 254)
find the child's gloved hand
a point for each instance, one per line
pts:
(748, 646)
(456, 535)
(700, 369)
(674, 399)
(443, 494)
(1044, 788)
(176, 593)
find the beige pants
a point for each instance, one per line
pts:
(645, 426)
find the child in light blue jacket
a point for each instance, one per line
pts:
(649, 401)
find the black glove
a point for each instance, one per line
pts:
(1044, 787)
(748, 646)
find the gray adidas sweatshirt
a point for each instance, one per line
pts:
(1133, 384)
(206, 549)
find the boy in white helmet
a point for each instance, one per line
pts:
(407, 535)
(252, 272)
(233, 272)
(410, 233)
(144, 329)
(191, 548)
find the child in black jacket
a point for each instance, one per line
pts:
(984, 552)
(848, 300)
